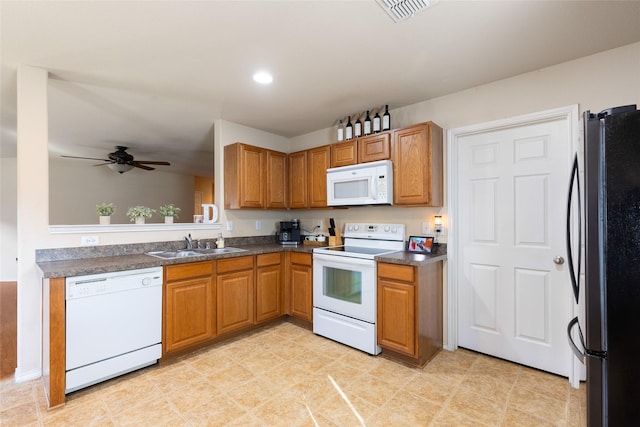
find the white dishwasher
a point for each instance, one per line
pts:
(113, 324)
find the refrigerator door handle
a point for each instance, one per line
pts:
(579, 353)
(575, 278)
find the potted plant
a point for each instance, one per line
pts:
(105, 210)
(139, 214)
(169, 212)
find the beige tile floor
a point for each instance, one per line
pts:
(285, 375)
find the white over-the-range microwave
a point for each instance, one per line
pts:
(362, 184)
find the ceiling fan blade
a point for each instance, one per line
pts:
(152, 162)
(147, 168)
(87, 158)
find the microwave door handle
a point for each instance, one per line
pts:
(374, 190)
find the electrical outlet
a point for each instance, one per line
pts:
(89, 240)
(229, 225)
(426, 228)
(258, 224)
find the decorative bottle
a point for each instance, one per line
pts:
(348, 130)
(357, 128)
(367, 124)
(340, 131)
(376, 122)
(386, 119)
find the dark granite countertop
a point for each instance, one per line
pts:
(80, 261)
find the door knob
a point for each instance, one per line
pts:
(558, 259)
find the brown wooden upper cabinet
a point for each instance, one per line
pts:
(276, 197)
(319, 162)
(361, 150)
(417, 165)
(374, 147)
(344, 153)
(298, 182)
(254, 177)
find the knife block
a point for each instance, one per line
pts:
(335, 240)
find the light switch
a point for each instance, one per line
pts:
(426, 228)
(229, 225)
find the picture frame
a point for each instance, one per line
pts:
(421, 244)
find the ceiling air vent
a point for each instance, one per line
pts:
(399, 10)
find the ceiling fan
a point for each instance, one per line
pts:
(121, 161)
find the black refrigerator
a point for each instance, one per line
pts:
(610, 328)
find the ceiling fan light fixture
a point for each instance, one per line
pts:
(400, 10)
(120, 167)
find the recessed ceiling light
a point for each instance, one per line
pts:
(263, 77)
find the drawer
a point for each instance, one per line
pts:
(268, 259)
(300, 258)
(404, 273)
(188, 270)
(235, 264)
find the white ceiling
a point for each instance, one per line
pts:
(154, 75)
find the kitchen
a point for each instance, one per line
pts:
(557, 85)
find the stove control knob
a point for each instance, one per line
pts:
(349, 227)
(394, 230)
(386, 228)
(356, 227)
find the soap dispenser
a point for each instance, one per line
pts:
(220, 241)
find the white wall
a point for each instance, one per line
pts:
(596, 82)
(8, 237)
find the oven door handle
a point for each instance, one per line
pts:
(342, 259)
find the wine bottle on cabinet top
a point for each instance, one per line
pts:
(367, 125)
(376, 122)
(386, 119)
(357, 128)
(348, 130)
(340, 131)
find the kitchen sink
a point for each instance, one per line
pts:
(174, 254)
(219, 250)
(186, 253)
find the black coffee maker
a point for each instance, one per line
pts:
(290, 232)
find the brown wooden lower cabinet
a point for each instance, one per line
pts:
(235, 294)
(189, 305)
(269, 286)
(301, 282)
(410, 311)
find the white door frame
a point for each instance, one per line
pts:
(570, 115)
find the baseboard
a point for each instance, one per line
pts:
(27, 376)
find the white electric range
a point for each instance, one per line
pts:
(344, 283)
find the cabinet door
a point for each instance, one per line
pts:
(244, 176)
(298, 182)
(276, 180)
(319, 162)
(189, 313)
(374, 147)
(268, 292)
(234, 301)
(417, 165)
(344, 153)
(301, 285)
(397, 316)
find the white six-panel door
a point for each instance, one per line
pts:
(513, 299)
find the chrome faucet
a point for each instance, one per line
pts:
(189, 241)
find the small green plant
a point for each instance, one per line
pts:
(169, 210)
(105, 209)
(137, 211)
